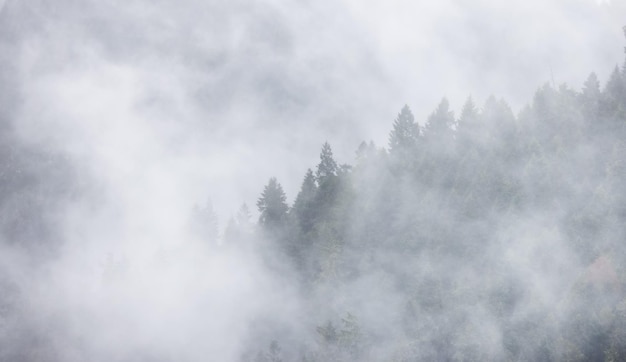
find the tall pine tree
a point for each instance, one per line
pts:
(405, 133)
(273, 206)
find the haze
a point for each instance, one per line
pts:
(133, 132)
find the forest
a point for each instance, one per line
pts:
(472, 235)
(486, 236)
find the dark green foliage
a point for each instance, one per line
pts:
(405, 131)
(304, 207)
(327, 168)
(493, 237)
(272, 206)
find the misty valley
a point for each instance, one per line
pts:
(482, 233)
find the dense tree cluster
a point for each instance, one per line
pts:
(461, 225)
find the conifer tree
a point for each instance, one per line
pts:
(273, 206)
(467, 128)
(304, 205)
(440, 123)
(365, 152)
(614, 94)
(327, 167)
(591, 92)
(405, 133)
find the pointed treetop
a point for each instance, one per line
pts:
(615, 83)
(591, 85)
(272, 204)
(405, 132)
(469, 114)
(467, 124)
(327, 166)
(365, 151)
(440, 121)
(307, 190)
(497, 112)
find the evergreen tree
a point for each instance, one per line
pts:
(440, 123)
(327, 167)
(404, 135)
(304, 205)
(498, 124)
(613, 96)
(273, 206)
(590, 97)
(468, 126)
(365, 152)
(438, 168)
(327, 180)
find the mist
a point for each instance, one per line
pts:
(445, 180)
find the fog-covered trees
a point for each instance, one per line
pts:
(439, 126)
(487, 237)
(438, 220)
(404, 137)
(272, 206)
(304, 207)
(240, 227)
(327, 168)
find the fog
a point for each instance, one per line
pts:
(133, 131)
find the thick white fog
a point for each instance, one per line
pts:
(146, 112)
(253, 89)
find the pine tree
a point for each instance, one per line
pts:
(440, 123)
(614, 95)
(366, 152)
(304, 205)
(589, 101)
(327, 167)
(405, 133)
(273, 206)
(468, 125)
(327, 180)
(590, 95)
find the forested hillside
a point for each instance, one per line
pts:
(473, 236)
